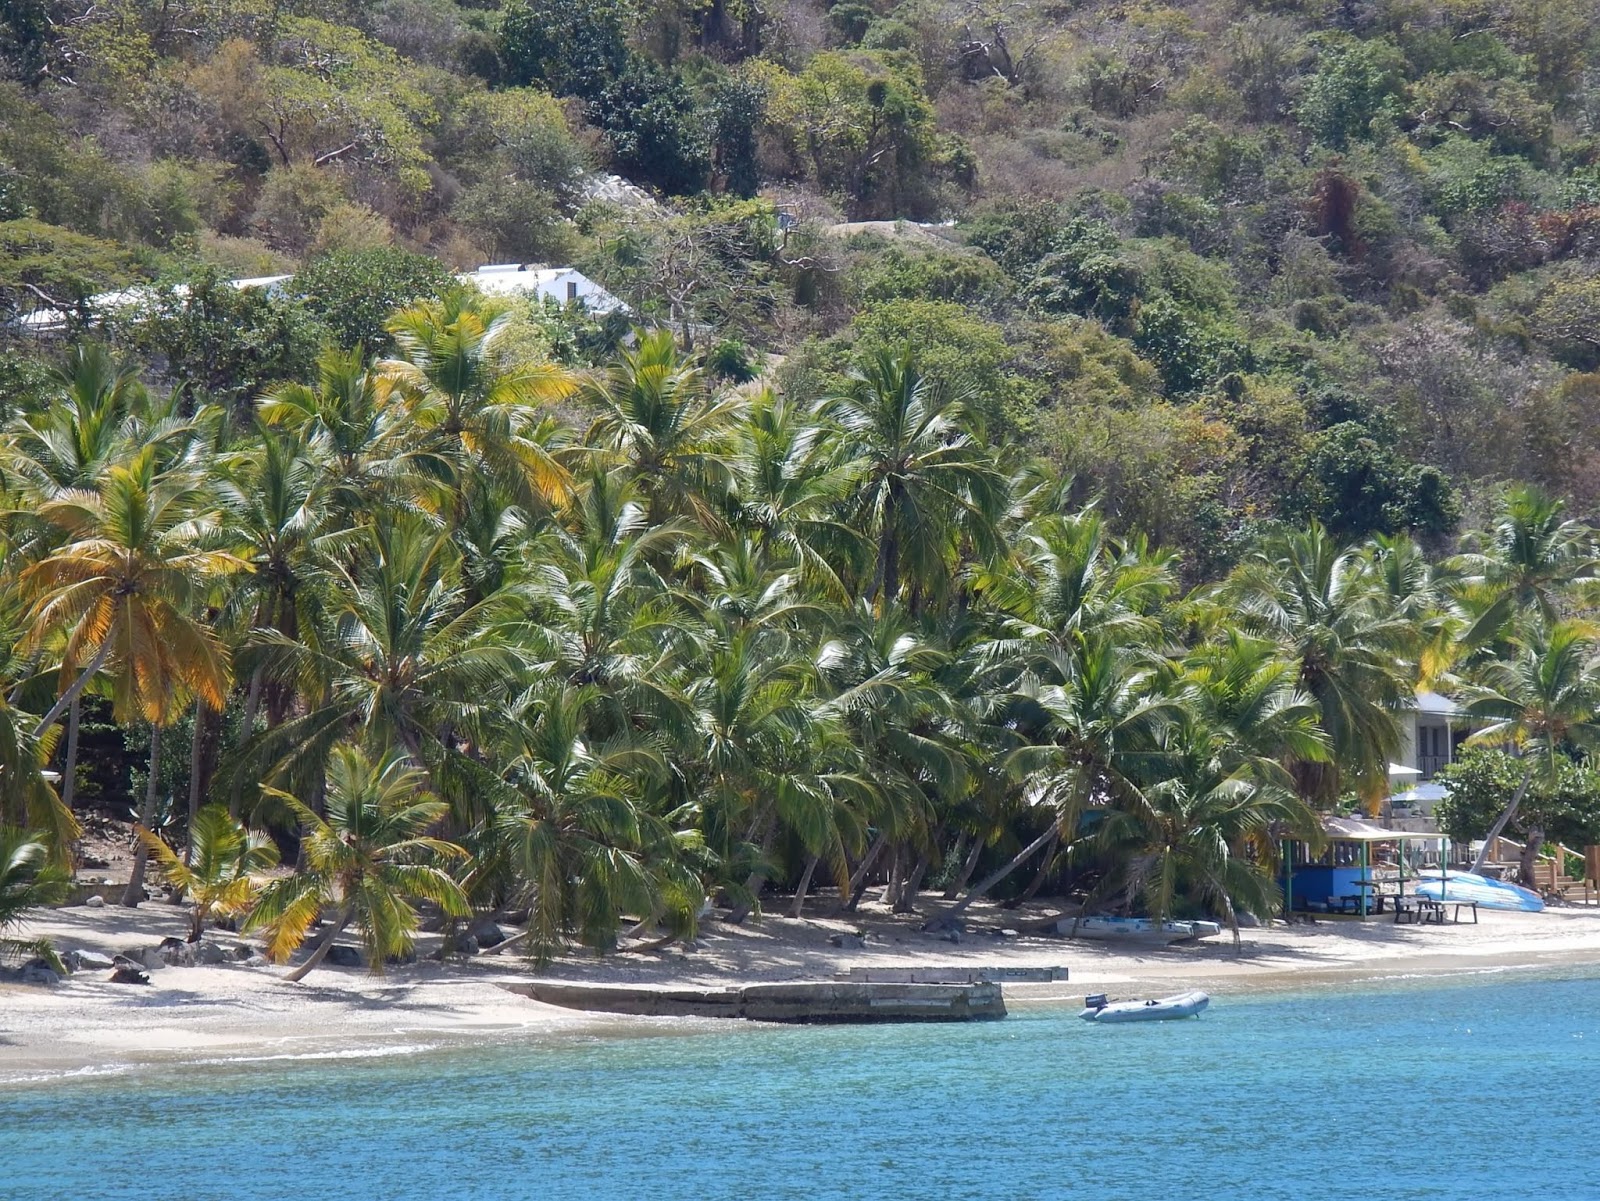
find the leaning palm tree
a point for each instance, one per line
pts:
(1183, 832)
(1544, 699)
(365, 860)
(28, 879)
(126, 588)
(218, 873)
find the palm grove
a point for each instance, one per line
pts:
(438, 645)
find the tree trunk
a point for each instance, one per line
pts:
(906, 902)
(324, 945)
(252, 704)
(897, 872)
(1039, 877)
(196, 751)
(69, 769)
(135, 890)
(1506, 815)
(1530, 856)
(957, 854)
(994, 878)
(967, 868)
(65, 700)
(756, 880)
(797, 906)
(858, 882)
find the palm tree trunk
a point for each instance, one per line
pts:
(1506, 815)
(797, 907)
(756, 880)
(967, 868)
(1530, 856)
(252, 705)
(65, 700)
(196, 749)
(69, 769)
(897, 871)
(957, 853)
(995, 877)
(135, 890)
(324, 945)
(1039, 877)
(906, 902)
(858, 881)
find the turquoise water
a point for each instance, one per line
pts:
(1318, 1096)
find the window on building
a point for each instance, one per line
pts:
(572, 289)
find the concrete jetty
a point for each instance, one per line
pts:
(808, 1001)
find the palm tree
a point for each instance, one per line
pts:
(128, 584)
(581, 838)
(364, 861)
(28, 879)
(27, 800)
(790, 489)
(124, 589)
(1183, 831)
(353, 430)
(1327, 609)
(925, 481)
(464, 414)
(1526, 561)
(407, 660)
(217, 873)
(1544, 699)
(659, 420)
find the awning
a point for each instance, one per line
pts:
(1400, 769)
(1353, 829)
(1422, 792)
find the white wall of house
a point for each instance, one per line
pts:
(561, 284)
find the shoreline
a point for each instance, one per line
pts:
(86, 1027)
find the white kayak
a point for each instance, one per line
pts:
(1164, 1009)
(1490, 894)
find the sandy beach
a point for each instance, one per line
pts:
(234, 1011)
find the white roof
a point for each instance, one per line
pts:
(1432, 702)
(515, 279)
(49, 320)
(1354, 829)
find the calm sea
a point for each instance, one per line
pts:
(1405, 1089)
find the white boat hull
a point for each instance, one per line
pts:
(1163, 1009)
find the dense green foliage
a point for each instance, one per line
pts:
(1230, 321)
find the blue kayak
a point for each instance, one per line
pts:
(1490, 894)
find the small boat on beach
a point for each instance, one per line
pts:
(1099, 1008)
(1135, 929)
(1487, 893)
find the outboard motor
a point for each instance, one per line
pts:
(1098, 1000)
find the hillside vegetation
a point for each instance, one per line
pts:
(1057, 436)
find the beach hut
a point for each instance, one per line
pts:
(1342, 879)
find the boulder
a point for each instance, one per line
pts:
(174, 952)
(209, 953)
(343, 956)
(127, 973)
(152, 959)
(402, 960)
(37, 971)
(487, 932)
(1247, 921)
(240, 953)
(848, 942)
(92, 961)
(94, 901)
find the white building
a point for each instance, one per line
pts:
(564, 285)
(1431, 738)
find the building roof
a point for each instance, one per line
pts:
(1432, 702)
(511, 279)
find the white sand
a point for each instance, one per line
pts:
(234, 1011)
